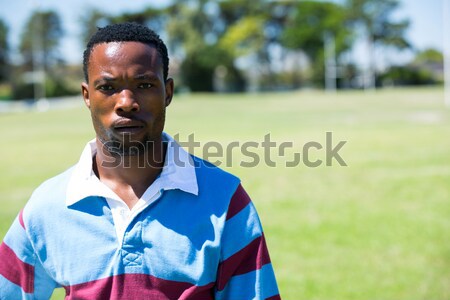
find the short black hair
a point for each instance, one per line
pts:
(126, 32)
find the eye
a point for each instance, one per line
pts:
(145, 85)
(105, 87)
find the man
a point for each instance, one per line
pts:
(137, 217)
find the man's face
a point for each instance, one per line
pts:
(127, 95)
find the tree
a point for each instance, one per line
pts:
(374, 16)
(429, 56)
(252, 32)
(407, 75)
(186, 31)
(430, 61)
(244, 36)
(37, 77)
(42, 34)
(3, 51)
(91, 21)
(151, 17)
(305, 30)
(194, 29)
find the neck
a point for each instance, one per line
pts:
(136, 172)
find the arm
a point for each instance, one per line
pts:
(22, 276)
(245, 270)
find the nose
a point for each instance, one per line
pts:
(126, 102)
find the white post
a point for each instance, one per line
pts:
(330, 62)
(369, 80)
(37, 54)
(446, 50)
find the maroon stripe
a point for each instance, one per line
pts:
(21, 219)
(239, 200)
(251, 258)
(276, 297)
(138, 286)
(15, 270)
(199, 292)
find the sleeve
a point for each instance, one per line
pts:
(22, 276)
(245, 270)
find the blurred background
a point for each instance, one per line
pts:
(371, 72)
(232, 46)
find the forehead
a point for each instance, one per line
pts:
(124, 55)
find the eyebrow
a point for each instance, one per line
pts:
(103, 79)
(145, 76)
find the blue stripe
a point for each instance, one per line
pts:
(43, 284)
(10, 290)
(259, 284)
(80, 241)
(234, 237)
(185, 235)
(17, 239)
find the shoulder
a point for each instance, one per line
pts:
(53, 186)
(220, 184)
(211, 177)
(49, 196)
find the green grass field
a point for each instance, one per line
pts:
(376, 229)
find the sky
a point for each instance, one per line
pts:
(426, 16)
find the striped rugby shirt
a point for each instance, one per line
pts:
(195, 234)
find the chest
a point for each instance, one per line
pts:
(176, 242)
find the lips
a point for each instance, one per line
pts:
(128, 126)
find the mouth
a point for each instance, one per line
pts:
(124, 126)
(128, 129)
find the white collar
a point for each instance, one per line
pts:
(178, 173)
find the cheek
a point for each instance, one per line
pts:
(151, 107)
(97, 121)
(102, 107)
(101, 125)
(101, 113)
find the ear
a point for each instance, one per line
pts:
(169, 91)
(85, 93)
